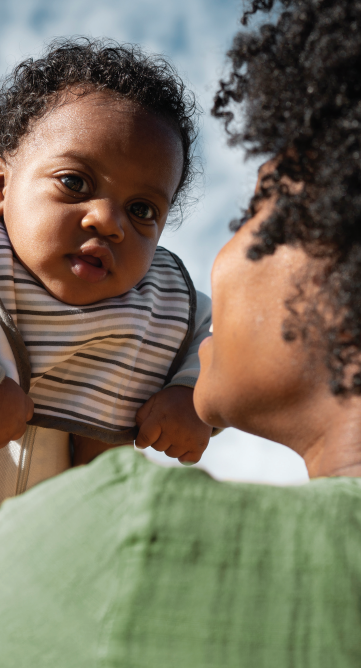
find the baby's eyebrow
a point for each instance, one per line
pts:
(161, 193)
(73, 153)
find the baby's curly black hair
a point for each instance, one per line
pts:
(298, 84)
(35, 86)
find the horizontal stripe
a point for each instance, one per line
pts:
(142, 285)
(7, 278)
(154, 298)
(45, 392)
(90, 373)
(123, 366)
(89, 386)
(147, 342)
(150, 356)
(124, 417)
(80, 417)
(104, 308)
(162, 266)
(26, 281)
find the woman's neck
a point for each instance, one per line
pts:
(336, 451)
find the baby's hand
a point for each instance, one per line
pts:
(169, 423)
(16, 408)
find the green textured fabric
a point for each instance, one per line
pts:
(124, 563)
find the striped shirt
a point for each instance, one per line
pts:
(93, 366)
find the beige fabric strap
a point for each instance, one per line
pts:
(40, 454)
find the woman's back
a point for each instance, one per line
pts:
(131, 564)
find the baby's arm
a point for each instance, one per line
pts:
(168, 421)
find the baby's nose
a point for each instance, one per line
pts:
(106, 219)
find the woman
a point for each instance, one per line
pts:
(123, 563)
(285, 358)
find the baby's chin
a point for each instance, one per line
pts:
(76, 292)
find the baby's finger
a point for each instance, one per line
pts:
(174, 451)
(190, 458)
(144, 411)
(149, 433)
(162, 443)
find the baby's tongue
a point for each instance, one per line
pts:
(90, 259)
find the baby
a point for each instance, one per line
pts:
(100, 328)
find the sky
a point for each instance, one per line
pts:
(194, 35)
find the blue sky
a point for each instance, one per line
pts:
(195, 35)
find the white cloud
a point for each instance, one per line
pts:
(196, 35)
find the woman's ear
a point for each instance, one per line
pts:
(3, 175)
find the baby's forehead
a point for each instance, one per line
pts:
(73, 119)
(77, 112)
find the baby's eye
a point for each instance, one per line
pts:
(142, 210)
(75, 183)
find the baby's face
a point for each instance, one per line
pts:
(86, 197)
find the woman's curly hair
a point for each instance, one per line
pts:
(35, 86)
(298, 84)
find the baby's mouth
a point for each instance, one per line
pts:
(88, 268)
(95, 261)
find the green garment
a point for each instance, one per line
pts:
(125, 563)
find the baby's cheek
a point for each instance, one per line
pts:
(134, 257)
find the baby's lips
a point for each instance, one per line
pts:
(99, 252)
(87, 271)
(95, 261)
